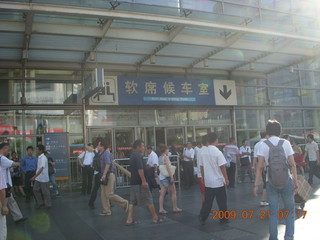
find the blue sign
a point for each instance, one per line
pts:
(165, 91)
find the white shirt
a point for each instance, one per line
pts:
(6, 165)
(43, 163)
(3, 184)
(312, 149)
(189, 153)
(245, 149)
(233, 150)
(257, 146)
(200, 155)
(196, 149)
(211, 160)
(153, 159)
(88, 157)
(264, 150)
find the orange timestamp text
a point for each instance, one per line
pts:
(250, 214)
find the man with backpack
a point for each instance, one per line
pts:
(281, 178)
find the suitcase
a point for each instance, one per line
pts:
(304, 191)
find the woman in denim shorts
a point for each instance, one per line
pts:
(167, 182)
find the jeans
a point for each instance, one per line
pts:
(287, 195)
(188, 173)
(95, 189)
(231, 171)
(87, 176)
(52, 180)
(210, 194)
(312, 167)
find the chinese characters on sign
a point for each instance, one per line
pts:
(165, 91)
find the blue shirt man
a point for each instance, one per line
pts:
(29, 167)
(29, 163)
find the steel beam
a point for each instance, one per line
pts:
(143, 35)
(143, 17)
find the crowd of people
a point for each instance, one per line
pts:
(274, 160)
(29, 177)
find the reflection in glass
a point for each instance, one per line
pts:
(288, 117)
(204, 117)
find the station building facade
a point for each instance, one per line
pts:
(267, 50)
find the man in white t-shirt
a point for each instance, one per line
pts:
(214, 174)
(152, 167)
(187, 164)
(41, 180)
(6, 164)
(86, 160)
(312, 150)
(264, 137)
(287, 192)
(4, 210)
(245, 160)
(201, 152)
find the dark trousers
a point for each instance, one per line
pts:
(27, 184)
(210, 194)
(95, 189)
(231, 171)
(87, 176)
(244, 170)
(312, 168)
(188, 173)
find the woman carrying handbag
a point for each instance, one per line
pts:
(167, 181)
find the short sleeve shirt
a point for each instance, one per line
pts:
(3, 184)
(136, 163)
(5, 165)
(245, 149)
(263, 150)
(43, 163)
(233, 150)
(256, 147)
(188, 153)
(312, 149)
(105, 158)
(153, 159)
(88, 157)
(211, 160)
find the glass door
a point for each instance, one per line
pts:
(105, 134)
(175, 137)
(124, 139)
(200, 132)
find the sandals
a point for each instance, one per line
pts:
(132, 223)
(160, 220)
(178, 210)
(104, 214)
(163, 212)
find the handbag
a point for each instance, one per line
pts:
(105, 181)
(164, 171)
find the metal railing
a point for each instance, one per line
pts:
(123, 181)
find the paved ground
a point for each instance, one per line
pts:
(71, 219)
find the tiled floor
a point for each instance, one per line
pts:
(71, 219)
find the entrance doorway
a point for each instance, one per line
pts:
(119, 140)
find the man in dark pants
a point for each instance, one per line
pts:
(233, 151)
(85, 161)
(214, 174)
(187, 164)
(29, 167)
(312, 151)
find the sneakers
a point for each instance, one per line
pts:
(264, 204)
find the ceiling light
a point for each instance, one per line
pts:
(92, 56)
(252, 66)
(206, 62)
(153, 59)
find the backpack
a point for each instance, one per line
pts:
(96, 162)
(228, 158)
(278, 166)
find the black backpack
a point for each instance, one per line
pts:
(96, 162)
